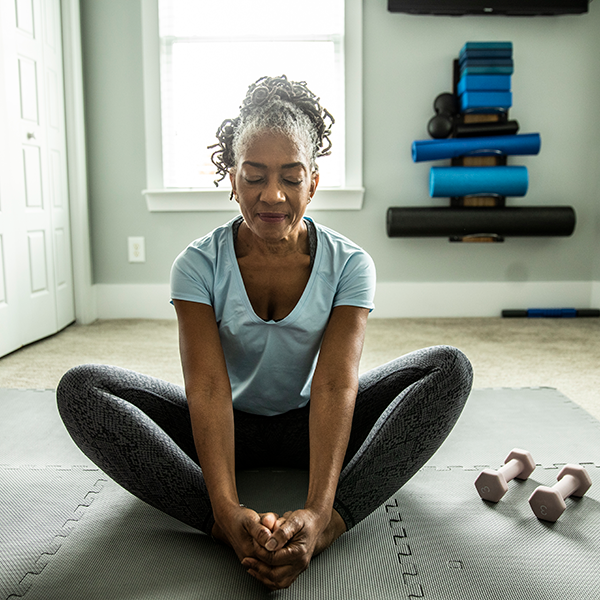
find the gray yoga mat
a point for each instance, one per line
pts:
(85, 537)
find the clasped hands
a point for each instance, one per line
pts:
(274, 549)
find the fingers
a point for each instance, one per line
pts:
(278, 559)
(260, 533)
(274, 578)
(270, 525)
(286, 530)
(270, 520)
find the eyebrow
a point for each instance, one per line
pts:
(286, 166)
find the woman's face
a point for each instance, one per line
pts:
(273, 184)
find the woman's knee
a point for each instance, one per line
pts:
(453, 362)
(78, 380)
(70, 389)
(450, 372)
(79, 387)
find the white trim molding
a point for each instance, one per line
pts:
(393, 300)
(85, 301)
(170, 200)
(134, 301)
(595, 303)
(472, 299)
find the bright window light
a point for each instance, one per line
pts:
(212, 51)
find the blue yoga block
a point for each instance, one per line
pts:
(483, 100)
(487, 62)
(493, 145)
(486, 46)
(483, 83)
(483, 53)
(478, 181)
(487, 71)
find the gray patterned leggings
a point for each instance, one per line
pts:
(137, 430)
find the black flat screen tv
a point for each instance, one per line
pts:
(489, 7)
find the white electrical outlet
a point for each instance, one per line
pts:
(136, 249)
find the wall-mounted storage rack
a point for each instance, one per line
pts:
(472, 128)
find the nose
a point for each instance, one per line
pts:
(272, 193)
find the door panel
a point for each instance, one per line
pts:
(56, 179)
(52, 87)
(32, 167)
(62, 264)
(37, 261)
(28, 89)
(2, 276)
(24, 16)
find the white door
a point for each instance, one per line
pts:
(36, 298)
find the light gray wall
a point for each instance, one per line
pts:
(407, 62)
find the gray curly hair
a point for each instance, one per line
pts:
(274, 104)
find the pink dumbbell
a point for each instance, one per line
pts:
(548, 503)
(492, 485)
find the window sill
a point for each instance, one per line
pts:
(195, 200)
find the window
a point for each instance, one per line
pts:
(200, 57)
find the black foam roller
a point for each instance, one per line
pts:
(514, 314)
(588, 312)
(483, 129)
(458, 222)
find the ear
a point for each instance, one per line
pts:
(233, 188)
(314, 183)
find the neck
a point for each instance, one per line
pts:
(295, 243)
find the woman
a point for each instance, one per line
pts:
(272, 311)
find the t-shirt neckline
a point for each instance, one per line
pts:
(292, 315)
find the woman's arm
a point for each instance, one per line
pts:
(333, 394)
(306, 532)
(208, 394)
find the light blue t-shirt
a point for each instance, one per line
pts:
(271, 363)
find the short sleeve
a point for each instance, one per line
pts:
(356, 286)
(192, 277)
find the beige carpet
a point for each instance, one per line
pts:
(560, 353)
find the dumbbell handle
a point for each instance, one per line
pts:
(511, 469)
(566, 486)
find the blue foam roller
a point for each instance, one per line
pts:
(478, 181)
(551, 313)
(510, 145)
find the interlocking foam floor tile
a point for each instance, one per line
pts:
(542, 420)
(38, 509)
(31, 431)
(458, 546)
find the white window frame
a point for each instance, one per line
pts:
(160, 199)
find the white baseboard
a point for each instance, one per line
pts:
(595, 300)
(392, 300)
(472, 299)
(134, 301)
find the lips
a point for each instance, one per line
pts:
(271, 217)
